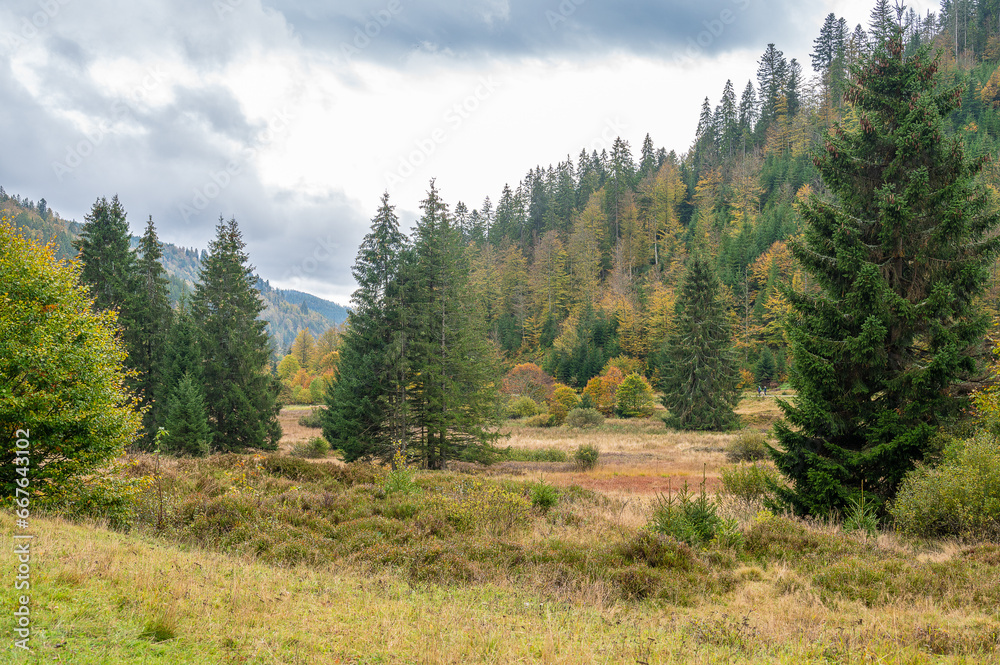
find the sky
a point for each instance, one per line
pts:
(294, 116)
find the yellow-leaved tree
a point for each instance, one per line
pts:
(65, 412)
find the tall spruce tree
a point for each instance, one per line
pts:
(452, 370)
(240, 392)
(698, 367)
(366, 405)
(152, 318)
(899, 252)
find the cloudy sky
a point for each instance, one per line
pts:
(295, 115)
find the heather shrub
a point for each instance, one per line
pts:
(581, 418)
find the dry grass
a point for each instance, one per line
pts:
(638, 457)
(813, 596)
(292, 432)
(96, 593)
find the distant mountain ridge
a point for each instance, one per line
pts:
(286, 311)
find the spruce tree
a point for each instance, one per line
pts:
(109, 264)
(152, 317)
(182, 354)
(185, 420)
(898, 251)
(366, 407)
(452, 366)
(698, 367)
(240, 392)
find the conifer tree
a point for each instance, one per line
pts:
(240, 392)
(772, 72)
(182, 354)
(825, 46)
(366, 405)
(648, 163)
(152, 318)
(748, 113)
(185, 421)
(698, 367)
(453, 369)
(728, 121)
(109, 264)
(881, 22)
(899, 252)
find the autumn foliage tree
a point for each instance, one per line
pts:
(62, 373)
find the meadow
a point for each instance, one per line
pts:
(276, 559)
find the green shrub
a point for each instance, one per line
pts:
(523, 407)
(634, 397)
(312, 419)
(690, 518)
(294, 469)
(748, 446)
(587, 456)
(959, 497)
(316, 448)
(657, 550)
(533, 454)
(541, 420)
(584, 417)
(750, 482)
(543, 496)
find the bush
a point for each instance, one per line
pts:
(523, 407)
(581, 418)
(587, 456)
(544, 496)
(634, 397)
(691, 519)
(959, 497)
(533, 455)
(315, 448)
(750, 482)
(312, 419)
(748, 446)
(657, 550)
(564, 399)
(541, 420)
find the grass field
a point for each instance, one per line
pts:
(277, 560)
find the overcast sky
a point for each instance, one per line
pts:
(295, 115)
